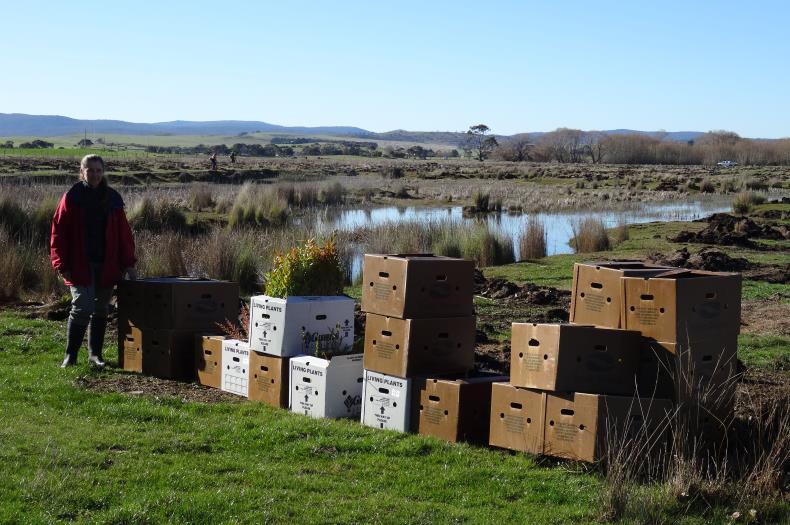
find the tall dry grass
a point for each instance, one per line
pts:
(533, 240)
(589, 235)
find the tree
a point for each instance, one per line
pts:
(516, 148)
(84, 143)
(477, 139)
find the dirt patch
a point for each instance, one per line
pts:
(139, 385)
(713, 260)
(528, 294)
(727, 230)
(765, 317)
(493, 358)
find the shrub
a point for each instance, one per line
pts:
(394, 172)
(13, 218)
(11, 267)
(160, 255)
(621, 232)
(533, 240)
(589, 235)
(310, 269)
(257, 206)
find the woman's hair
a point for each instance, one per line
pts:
(91, 158)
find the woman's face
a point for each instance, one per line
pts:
(93, 173)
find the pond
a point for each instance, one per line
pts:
(558, 224)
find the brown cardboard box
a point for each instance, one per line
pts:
(595, 296)
(130, 350)
(169, 354)
(518, 416)
(417, 286)
(178, 302)
(578, 426)
(701, 373)
(683, 305)
(269, 379)
(410, 347)
(569, 358)
(208, 359)
(456, 409)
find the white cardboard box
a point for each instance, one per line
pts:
(326, 388)
(236, 367)
(386, 401)
(290, 327)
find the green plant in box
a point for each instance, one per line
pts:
(310, 269)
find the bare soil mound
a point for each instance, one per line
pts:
(498, 288)
(713, 260)
(136, 385)
(727, 230)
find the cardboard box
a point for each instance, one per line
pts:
(684, 305)
(130, 350)
(417, 286)
(456, 409)
(208, 359)
(410, 347)
(579, 426)
(269, 379)
(596, 292)
(236, 367)
(704, 371)
(178, 302)
(301, 324)
(567, 358)
(517, 419)
(326, 388)
(387, 402)
(169, 354)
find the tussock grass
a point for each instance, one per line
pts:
(533, 240)
(744, 202)
(589, 235)
(157, 215)
(257, 206)
(201, 197)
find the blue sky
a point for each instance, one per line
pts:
(515, 66)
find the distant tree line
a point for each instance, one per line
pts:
(566, 145)
(35, 144)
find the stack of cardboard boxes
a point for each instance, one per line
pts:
(158, 320)
(615, 368)
(419, 336)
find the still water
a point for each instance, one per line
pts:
(557, 224)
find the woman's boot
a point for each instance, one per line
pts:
(96, 341)
(75, 333)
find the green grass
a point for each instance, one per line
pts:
(764, 351)
(70, 454)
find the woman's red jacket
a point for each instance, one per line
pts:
(67, 243)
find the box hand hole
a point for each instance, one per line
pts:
(441, 277)
(516, 406)
(600, 348)
(534, 342)
(384, 390)
(264, 368)
(646, 297)
(266, 316)
(386, 333)
(236, 359)
(320, 317)
(433, 398)
(206, 296)
(384, 275)
(443, 335)
(710, 295)
(306, 380)
(597, 286)
(566, 412)
(207, 352)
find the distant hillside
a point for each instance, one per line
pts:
(18, 124)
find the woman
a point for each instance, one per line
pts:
(91, 248)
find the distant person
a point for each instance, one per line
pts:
(91, 248)
(232, 157)
(213, 159)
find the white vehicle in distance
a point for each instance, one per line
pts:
(727, 163)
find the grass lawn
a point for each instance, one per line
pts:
(71, 454)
